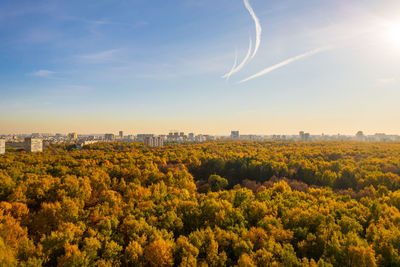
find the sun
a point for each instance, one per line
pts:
(393, 31)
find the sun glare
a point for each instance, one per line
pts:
(394, 32)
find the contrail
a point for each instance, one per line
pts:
(257, 44)
(258, 26)
(286, 62)
(241, 65)
(234, 63)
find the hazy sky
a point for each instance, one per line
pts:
(152, 66)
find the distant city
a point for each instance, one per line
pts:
(34, 142)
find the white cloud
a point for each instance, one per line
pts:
(43, 73)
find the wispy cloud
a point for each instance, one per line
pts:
(78, 88)
(99, 56)
(258, 27)
(241, 65)
(8, 11)
(387, 80)
(43, 73)
(286, 62)
(104, 22)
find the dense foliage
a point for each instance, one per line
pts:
(212, 204)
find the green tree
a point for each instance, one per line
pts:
(217, 182)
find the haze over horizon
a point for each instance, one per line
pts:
(145, 67)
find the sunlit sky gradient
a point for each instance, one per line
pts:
(144, 66)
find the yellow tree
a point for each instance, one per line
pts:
(159, 253)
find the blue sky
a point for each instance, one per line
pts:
(153, 66)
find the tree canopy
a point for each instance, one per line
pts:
(211, 204)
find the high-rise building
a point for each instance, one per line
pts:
(141, 137)
(153, 141)
(33, 144)
(380, 137)
(360, 136)
(109, 137)
(2, 146)
(235, 135)
(200, 138)
(191, 136)
(304, 136)
(121, 134)
(73, 136)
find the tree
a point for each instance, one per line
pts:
(328, 178)
(133, 254)
(362, 257)
(217, 183)
(159, 253)
(245, 261)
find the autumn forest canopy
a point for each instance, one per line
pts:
(210, 204)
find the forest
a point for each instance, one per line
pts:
(221, 203)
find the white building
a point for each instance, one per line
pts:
(33, 144)
(81, 144)
(142, 137)
(2, 146)
(109, 137)
(154, 141)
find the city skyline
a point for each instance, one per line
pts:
(226, 132)
(233, 134)
(34, 142)
(323, 67)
